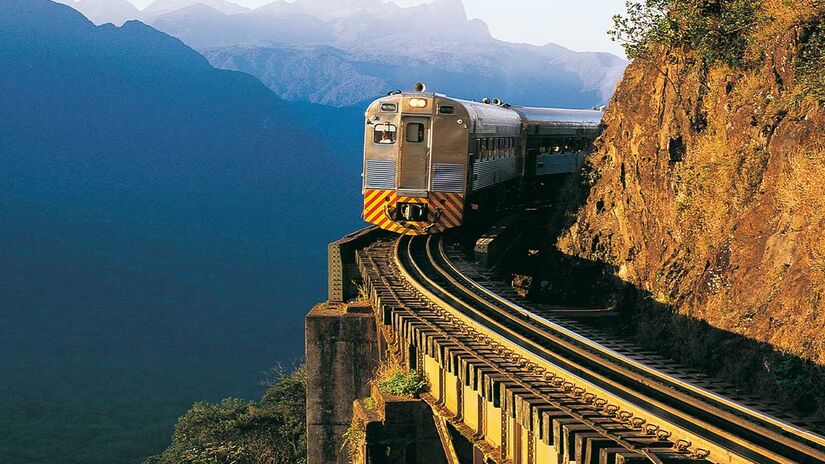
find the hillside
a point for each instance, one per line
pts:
(159, 233)
(360, 51)
(709, 200)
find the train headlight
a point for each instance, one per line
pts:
(418, 102)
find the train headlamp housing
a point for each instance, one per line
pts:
(418, 102)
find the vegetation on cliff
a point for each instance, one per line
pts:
(400, 383)
(709, 200)
(393, 379)
(269, 431)
(717, 30)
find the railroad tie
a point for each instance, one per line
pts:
(621, 456)
(587, 446)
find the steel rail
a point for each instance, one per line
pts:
(758, 415)
(407, 275)
(588, 355)
(630, 394)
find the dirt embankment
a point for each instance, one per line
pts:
(710, 200)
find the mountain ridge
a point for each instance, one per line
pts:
(159, 236)
(368, 52)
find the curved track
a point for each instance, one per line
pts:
(722, 429)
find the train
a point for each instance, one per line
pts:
(431, 161)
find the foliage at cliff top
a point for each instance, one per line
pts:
(716, 29)
(269, 431)
(737, 33)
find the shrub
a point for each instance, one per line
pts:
(400, 383)
(716, 30)
(812, 60)
(270, 431)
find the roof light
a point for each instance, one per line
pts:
(418, 103)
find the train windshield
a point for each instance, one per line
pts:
(385, 134)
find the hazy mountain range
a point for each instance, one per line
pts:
(342, 53)
(160, 235)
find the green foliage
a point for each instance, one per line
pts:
(644, 25)
(400, 383)
(270, 431)
(370, 404)
(796, 379)
(716, 30)
(812, 60)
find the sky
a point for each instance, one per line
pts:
(581, 25)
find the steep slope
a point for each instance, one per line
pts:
(709, 199)
(159, 235)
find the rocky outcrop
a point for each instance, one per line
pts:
(711, 190)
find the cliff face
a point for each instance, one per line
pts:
(711, 189)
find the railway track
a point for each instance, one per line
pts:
(592, 399)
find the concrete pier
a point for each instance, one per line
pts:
(341, 357)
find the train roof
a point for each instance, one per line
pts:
(490, 114)
(498, 119)
(560, 117)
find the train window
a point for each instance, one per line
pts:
(385, 134)
(415, 132)
(446, 109)
(479, 149)
(389, 107)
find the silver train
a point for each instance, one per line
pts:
(429, 160)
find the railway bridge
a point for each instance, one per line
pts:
(506, 382)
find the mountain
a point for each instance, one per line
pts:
(338, 53)
(105, 11)
(159, 236)
(159, 7)
(328, 22)
(342, 77)
(344, 53)
(208, 27)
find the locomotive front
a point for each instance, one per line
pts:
(415, 162)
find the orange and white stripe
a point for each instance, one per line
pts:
(379, 203)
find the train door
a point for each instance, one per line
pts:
(415, 154)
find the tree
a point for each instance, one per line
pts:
(716, 30)
(270, 431)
